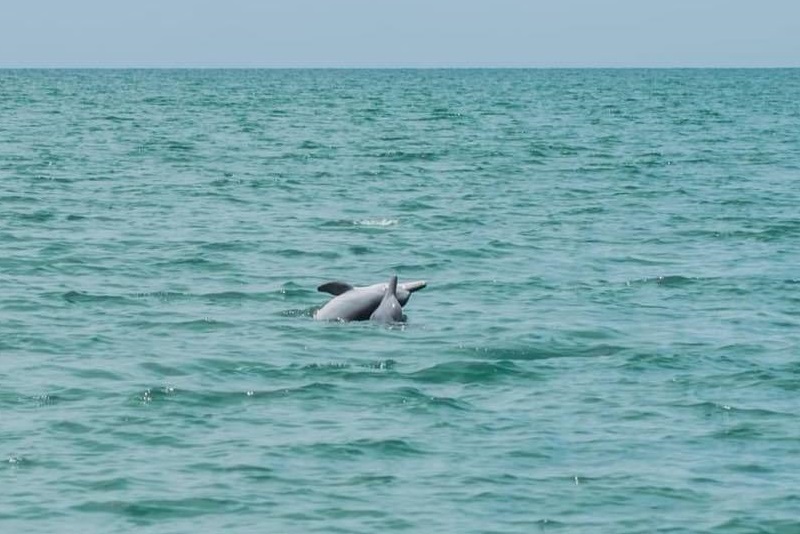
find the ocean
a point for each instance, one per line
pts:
(609, 340)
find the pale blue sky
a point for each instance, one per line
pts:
(399, 33)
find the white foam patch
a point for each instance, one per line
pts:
(376, 222)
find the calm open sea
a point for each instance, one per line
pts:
(609, 341)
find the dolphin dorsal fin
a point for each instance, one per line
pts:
(391, 287)
(335, 288)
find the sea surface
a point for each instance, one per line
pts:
(609, 341)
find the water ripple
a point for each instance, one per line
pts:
(607, 342)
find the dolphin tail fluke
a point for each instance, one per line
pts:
(413, 286)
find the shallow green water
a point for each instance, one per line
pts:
(609, 341)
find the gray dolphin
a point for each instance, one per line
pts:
(358, 303)
(389, 310)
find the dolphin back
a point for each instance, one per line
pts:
(355, 305)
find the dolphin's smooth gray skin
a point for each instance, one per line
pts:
(357, 303)
(389, 310)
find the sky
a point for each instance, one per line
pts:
(400, 33)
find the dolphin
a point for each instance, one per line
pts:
(358, 303)
(389, 310)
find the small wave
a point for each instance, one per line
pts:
(775, 232)
(636, 260)
(414, 397)
(298, 253)
(37, 216)
(401, 156)
(536, 352)
(665, 281)
(293, 290)
(380, 365)
(349, 370)
(751, 468)
(163, 296)
(225, 246)
(226, 295)
(416, 205)
(159, 100)
(117, 118)
(648, 361)
(465, 372)
(391, 448)
(147, 511)
(767, 234)
(360, 250)
(151, 394)
(226, 181)
(52, 399)
(162, 370)
(235, 296)
(180, 146)
(200, 262)
(713, 409)
(367, 224)
(742, 431)
(304, 312)
(311, 391)
(311, 145)
(206, 324)
(248, 471)
(325, 367)
(368, 480)
(95, 373)
(8, 199)
(77, 297)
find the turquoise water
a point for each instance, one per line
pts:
(609, 340)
